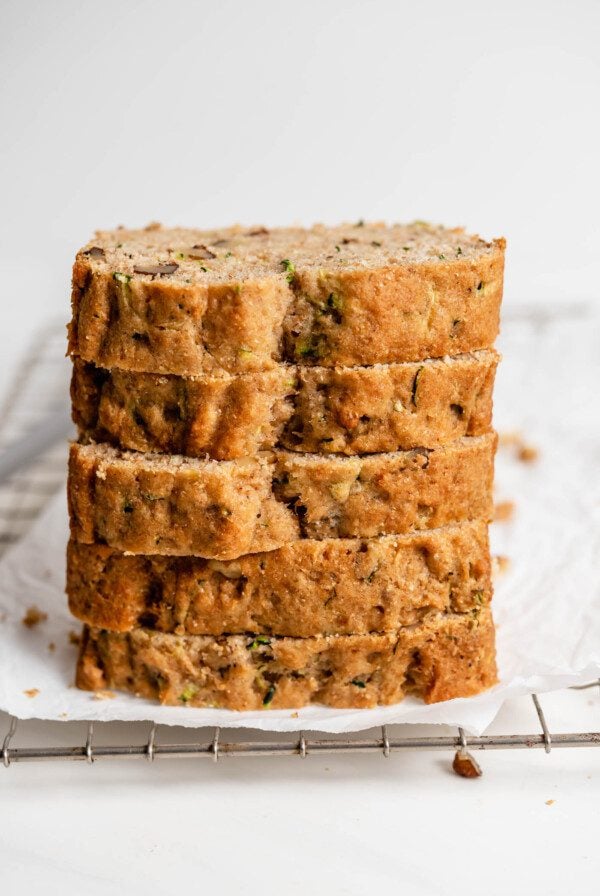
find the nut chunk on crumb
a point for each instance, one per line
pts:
(32, 692)
(33, 617)
(465, 765)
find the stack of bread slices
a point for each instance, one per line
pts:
(282, 485)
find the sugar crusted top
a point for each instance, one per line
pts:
(240, 253)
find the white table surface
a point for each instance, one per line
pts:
(344, 824)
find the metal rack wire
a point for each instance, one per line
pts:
(215, 747)
(39, 389)
(40, 385)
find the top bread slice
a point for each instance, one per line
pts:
(192, 302)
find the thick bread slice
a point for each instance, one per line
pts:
(341, 410)
(158, 504)
(191, 302)
(441, 658)
(334, 586)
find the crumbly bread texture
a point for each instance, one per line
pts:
(159, 504)
(191, 302)
(335, 586)
(441, 658)
(345, 410)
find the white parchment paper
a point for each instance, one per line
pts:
(547, 606)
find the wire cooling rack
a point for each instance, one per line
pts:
(40, 387)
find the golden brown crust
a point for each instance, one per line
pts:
(346, 410)
(150, 504)
(374, 307)
(167, 328)
(335, 586)
(396, 314)
(441, 658)
(153, 504)
(220, 417)
(365, 410)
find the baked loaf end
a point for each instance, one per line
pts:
(157, 504)
(442, 658)
(345, 410)
(191, 302)
(334, 586)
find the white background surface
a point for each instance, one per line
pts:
(203, 113)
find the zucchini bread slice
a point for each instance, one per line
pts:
(160, 504)
(443, 657)
(334, 586)
(330, 410)
(191, 302)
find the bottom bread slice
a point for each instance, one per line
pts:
(444, 656)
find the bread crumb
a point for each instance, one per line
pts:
(104, 695)
(32, 692)
(525, 452)
(74, 638)
(550, 802)
(63, 715)
(508, 439)
(528, 454)
(504, 511)
(500, 565)
(51, 646)
(293, 715)
(33, 617)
